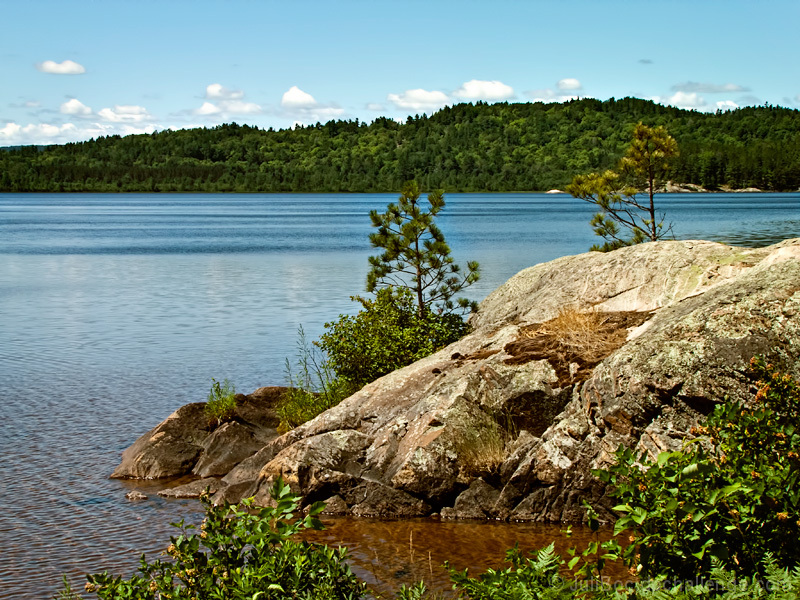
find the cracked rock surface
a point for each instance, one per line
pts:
(474, 431)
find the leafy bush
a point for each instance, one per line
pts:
(542, 578)
(538, 578)
(389, 333)
(221, 404)
(313, 387)
(241, 554)
(731, 497)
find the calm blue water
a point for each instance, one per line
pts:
(117, 309)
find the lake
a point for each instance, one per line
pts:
(117, 309)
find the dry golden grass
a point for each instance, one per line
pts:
(587, 334)
(574, 341)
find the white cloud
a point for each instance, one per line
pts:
(75, 107)
(797, 98)
(375, 106)
(419, 99)
(124, 114)
(302, 105)
(48, 133)
(294, 97)
(708, 88)
(324, 113)
(237, 107)
(548, 95)
(564, 92)
(727, 105)
(568, 84)
(36, 133)
(686, 100)
(208, 109)
(68, 67)
(223, 101)
(216, 91)
(32, 104)
(476, 89)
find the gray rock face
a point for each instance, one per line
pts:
(170, 449)
(186, 442)
(488, 428)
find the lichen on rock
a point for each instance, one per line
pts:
(510, 421)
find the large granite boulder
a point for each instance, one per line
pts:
(566, 361)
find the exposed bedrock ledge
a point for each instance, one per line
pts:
(476, 432)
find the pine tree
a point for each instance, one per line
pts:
(415, 255)
(643, 169)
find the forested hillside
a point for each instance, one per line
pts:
(482, 147)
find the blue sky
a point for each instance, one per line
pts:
(72, 70)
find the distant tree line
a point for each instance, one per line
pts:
(480, 147)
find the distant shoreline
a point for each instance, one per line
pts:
(673, 189)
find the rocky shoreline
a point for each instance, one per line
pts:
(509, 422)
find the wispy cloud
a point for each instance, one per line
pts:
(220, 100)
(216, 91)
(124, 114)
(565, 91)
(49, 133)
(68, 67)
(708, 88)
(569, 84)
(727, 105)
(419, 99)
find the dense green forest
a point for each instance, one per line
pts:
(481, 147)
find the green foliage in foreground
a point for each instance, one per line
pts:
(717, 521)
(241, 554)
(221, 403)
(541, 577)
(387, 334)
(730, 498)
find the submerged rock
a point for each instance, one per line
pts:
(135, 495)
(567, 361)
(193, 489)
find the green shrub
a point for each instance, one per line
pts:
(312, 387)
(731, 497)
(537, 578)
(542, 578)
(387, 334)
(221, 404)
(240, 553)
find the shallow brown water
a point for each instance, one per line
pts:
(389, 553)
